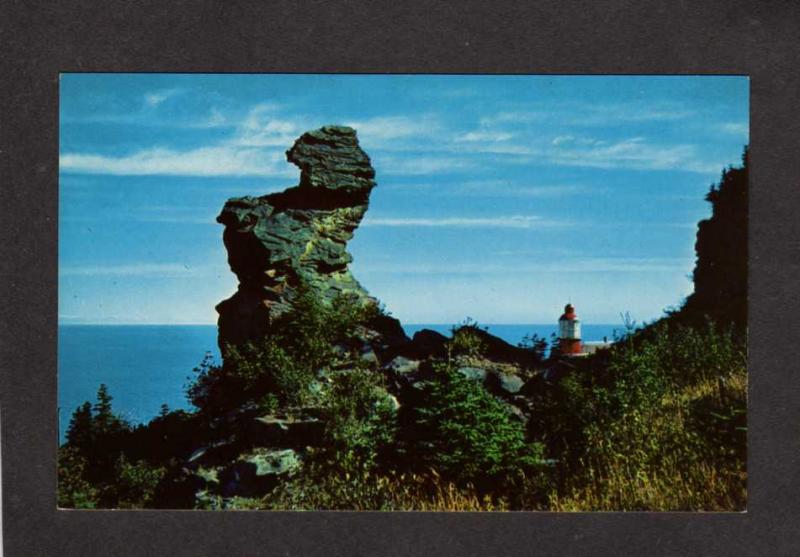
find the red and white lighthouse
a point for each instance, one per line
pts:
(569, 332)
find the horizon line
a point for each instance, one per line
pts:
(449, 324)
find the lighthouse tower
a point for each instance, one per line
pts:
(569, 332)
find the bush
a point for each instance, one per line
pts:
(74, 491)
(536, 345)
(466, 435)
(133, 486)
(658, 423)
(280, 371)
(93, 470)
(465, 339)
(361, 419)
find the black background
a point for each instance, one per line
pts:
(41, 39)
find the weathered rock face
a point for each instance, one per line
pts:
(277, 241)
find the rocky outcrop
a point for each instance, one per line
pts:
(720, 273)
(278, 241)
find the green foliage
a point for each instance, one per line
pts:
(93, 469)
(80, 432)
(467, 435)
(657, 423)
(536, 345)
(134, 484)
(283, 368)
(361, 419)
(74, 491)
(465, 339)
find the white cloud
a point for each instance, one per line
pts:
(155, 98)
(563, 139)
(571, 265)
(507, 189)
(634, 153)
(516, 117)
(373, 131)
(261, 128)
(418, 165)
(736, 128)
(572, 140)
(485, 135)
(593, 114)
(215, 119)
(132, 269)
(225, 160)
(511, 221)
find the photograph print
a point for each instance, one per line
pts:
(403, 292)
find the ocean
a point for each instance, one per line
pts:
(145, 366)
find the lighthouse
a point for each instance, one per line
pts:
(569, 332)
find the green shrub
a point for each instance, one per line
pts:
(281, 369)
(657, 423)
(74, 491)
(133, 486)
(465, 339)
(467, 435)
(361, 419)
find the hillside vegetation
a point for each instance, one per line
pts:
(312, 417)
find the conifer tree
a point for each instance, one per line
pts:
(81, 428)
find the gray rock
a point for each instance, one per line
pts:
(256, 473)
(474, 373)
(504, 382)
(287, 431)
(368, 356)
(402, 366)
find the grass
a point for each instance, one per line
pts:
(682, 474)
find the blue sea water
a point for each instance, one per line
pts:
(145, 366)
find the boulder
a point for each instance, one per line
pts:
(287, 431)
(424, 344)
(256, 473)
(475, 373)
(401, 366)
(504, 383)
(498, 350)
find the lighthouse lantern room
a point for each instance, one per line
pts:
(569, 331)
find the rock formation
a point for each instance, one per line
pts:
(277, 241)
(720, 273)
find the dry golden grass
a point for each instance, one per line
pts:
(674, 476)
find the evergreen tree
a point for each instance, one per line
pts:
(80, 432)
(104, 417)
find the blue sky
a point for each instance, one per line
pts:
(498, 198)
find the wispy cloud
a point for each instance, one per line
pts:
(572, 140)
(593, 114)
(485, 135)
(419, 165)
(511, 221)
(225, 160)
(155, 98)
(494, 188)
(375, 131)
(634, 153)
(736, 128)
(262, 127)
(577, 265)
(131, 269)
